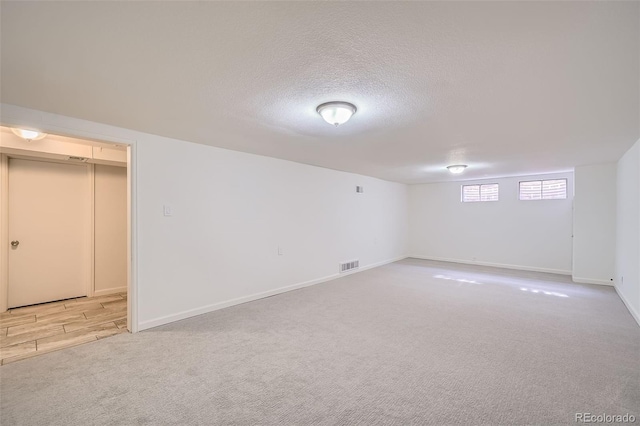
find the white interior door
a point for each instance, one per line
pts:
(49, 208)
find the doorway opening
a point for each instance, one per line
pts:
(65, 243)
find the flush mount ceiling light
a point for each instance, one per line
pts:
(336, 113)
(457, 169)
(29, 135)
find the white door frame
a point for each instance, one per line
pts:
(4, 232)
(132, 294)
(91, 281)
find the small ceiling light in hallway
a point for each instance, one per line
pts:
(29, 135)
(457, 169)
(336, 113)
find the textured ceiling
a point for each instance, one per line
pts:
(508, 88)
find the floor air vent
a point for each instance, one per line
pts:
(348, 266)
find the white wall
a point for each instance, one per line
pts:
(594, 224)
(628, 230)
(532, 235)
(231, 211)
(110, 237)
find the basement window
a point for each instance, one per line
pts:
(476, 193)
(551, 189)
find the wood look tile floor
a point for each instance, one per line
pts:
(34, 330)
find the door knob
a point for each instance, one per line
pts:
(15, 243)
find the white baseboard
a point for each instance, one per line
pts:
(633, 313)
(495, 265)
(592, 281)
(110, 291)
(221, 305)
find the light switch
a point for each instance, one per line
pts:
(167, 210)
(280, 251)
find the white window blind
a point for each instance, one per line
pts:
(470, 193)
(475, 193)
(531, 190)
(489, 192)
(552, 189)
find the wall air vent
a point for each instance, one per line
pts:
(78, 159)
(348, 266)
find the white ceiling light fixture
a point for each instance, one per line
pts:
(28, 135)
(457, 168)
(336, 113)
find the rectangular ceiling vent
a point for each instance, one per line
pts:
(348, 266)
(78, 159)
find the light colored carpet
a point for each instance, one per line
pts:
(414, 342)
